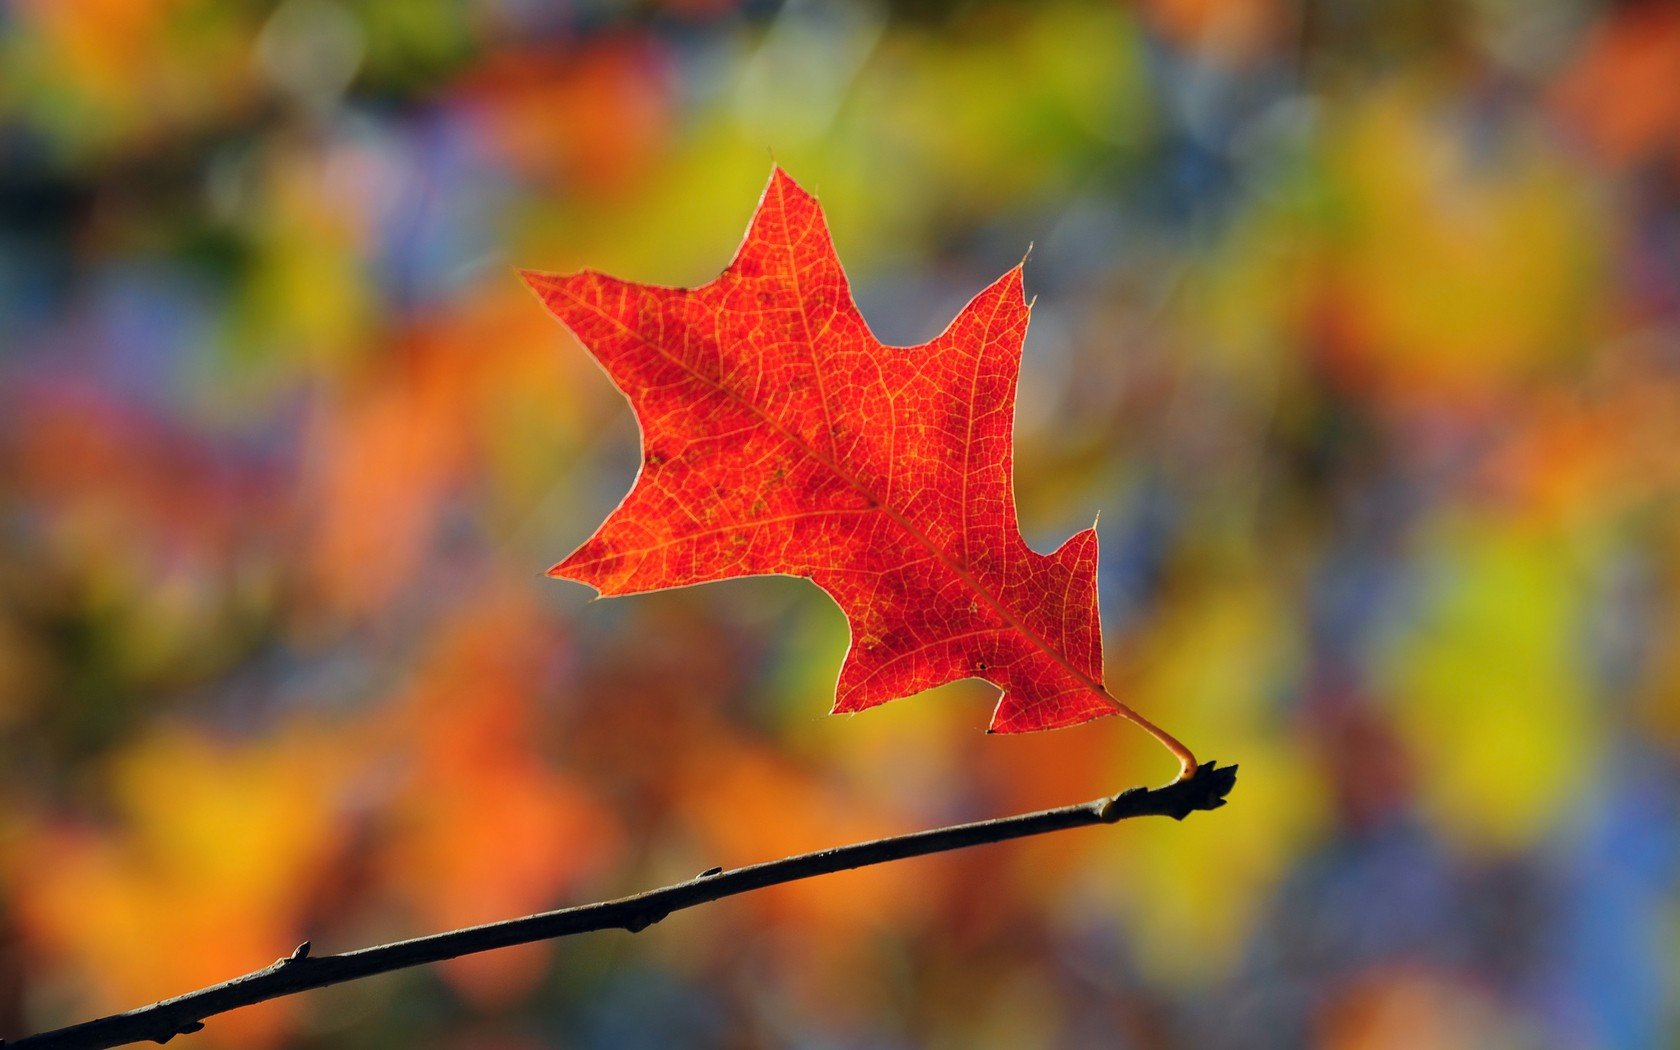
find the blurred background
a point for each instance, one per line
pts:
(1359, 323)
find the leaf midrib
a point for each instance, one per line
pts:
(960, 571)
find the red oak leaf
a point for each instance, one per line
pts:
(779, 436)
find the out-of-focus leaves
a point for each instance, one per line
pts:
(1620, 93)
(1358, 322)
(595, 120)
(1192, 892)
(480, 824)
(1492, 695)
(1224, 32)
(1400, 1007)
(105, 75)
(1448, 275)
(216, 854)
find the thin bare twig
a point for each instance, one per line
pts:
(301, 971)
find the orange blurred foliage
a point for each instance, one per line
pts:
(1623, 92)
(480, 822)
(1228, 32)
(590, 120)
(219, 854)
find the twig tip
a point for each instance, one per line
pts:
(1206, 788)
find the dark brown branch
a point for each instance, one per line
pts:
(301, 971)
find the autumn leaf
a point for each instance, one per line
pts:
(781, 437)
